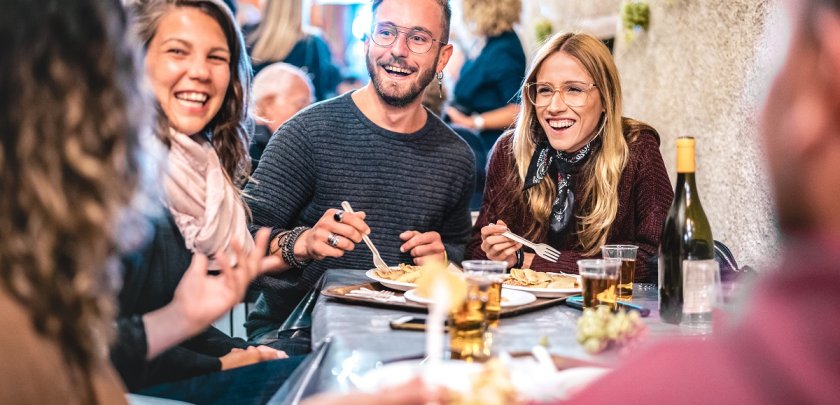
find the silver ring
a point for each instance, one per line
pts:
(333, 240)
(338, 216)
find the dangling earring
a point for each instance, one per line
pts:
(440, 83)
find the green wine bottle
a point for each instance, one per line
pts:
(686, 234)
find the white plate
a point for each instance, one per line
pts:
(510, 298)
(397, 285)
(546, 292)
(533, 383)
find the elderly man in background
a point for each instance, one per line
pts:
(280, 91)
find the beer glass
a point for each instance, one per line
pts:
(494, 272)
(627, 255)
(599, 279)
(468, 322)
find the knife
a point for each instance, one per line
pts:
(577, 302)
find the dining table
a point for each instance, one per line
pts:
(350, 339)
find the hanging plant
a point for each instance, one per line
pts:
(635, 17)
(543, 30)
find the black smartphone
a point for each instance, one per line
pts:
(577, 302)
(409, 322)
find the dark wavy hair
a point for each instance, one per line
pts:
(229, 128)
(68, 167)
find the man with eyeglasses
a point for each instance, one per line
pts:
(408, 176)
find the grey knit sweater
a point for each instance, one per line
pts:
(332, 152)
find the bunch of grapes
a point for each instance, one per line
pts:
(599, 329)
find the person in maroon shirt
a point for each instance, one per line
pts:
(573, 173)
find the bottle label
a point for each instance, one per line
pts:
(685, 155)
(701, 286)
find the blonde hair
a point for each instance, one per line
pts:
(491, 17)
(598, 203)
(280, 30)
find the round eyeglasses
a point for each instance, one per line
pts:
(574, 94)
(419, 41)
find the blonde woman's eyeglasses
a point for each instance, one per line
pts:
(574, 94)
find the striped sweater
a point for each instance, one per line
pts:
(331, 152)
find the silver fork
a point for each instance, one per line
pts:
(541, 249)
(377, 259)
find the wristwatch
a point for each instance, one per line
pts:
(478, 121)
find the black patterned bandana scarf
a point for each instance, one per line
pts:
(561, 165)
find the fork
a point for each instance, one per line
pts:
(378, 295)
(541, 249)
(377, 259)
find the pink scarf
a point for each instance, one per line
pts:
(204, 203)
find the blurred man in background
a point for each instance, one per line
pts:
(280, 91)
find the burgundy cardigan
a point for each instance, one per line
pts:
(644, 197)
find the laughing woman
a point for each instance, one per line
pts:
(196, 66)
(200, 76)
(573, 173)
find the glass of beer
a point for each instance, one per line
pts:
(627, 255)
(599, 279)
(468, 322)
(494, 272)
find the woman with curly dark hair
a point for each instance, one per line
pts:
(68, 166)
(199, 73)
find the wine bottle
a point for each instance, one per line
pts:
(686, 234)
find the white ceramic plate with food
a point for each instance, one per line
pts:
(400, 285)
(510, 298)
(531, 382)
(394, 284)
(545, 292)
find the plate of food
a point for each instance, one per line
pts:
(510, 298)
(403, 277)
(542, 284)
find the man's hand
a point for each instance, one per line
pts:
(496, 246)
(331, 238)
(251, 355)
(424, 247)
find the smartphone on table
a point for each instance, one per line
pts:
(409, 322)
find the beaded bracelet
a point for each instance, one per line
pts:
(288, 248)
(277, 247)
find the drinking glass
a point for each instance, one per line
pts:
(701, 293)
(599, 278)
(492, 271)
(468, 322)
(627, 255)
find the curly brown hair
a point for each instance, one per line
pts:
(68, 166)
(229, 128)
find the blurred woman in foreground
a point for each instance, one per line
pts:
(68, 166)
(573, 173)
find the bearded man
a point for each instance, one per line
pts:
(408, 176)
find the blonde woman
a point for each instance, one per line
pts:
(573, 173)
(484, 97)
(282, 37)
